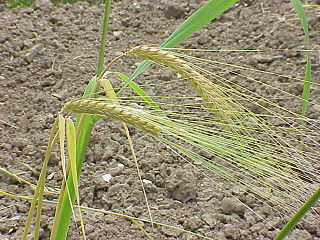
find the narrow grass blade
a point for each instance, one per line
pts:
(84, 125)
(103, 42)
(137, 89)
(38, 194)
(62, 135)
(201, 17)
(305, 208)
(307, 80)
(72, 150)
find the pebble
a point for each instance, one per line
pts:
(174, 11)
(115, 171)
(231, 205)
(47, 84)
(170, 232)
(300, 234)
(107, 177)
(310, 223)
(52, 72)
(316, 108)
(208, 217)
(261, 59)
(167, 75)
(193, 223)
(274, 223)
(232, 232)
(3, 39)
(117, 189)
(35, 51)
(182, 186)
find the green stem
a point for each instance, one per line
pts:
(84, 126)
(103, 41)
(298, 215)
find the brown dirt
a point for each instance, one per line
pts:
(47, 56)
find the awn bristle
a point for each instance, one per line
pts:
(207, 90)
(129, 115)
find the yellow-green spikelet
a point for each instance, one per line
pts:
(208, 91)
(129, 115)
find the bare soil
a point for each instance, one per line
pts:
(48, 55)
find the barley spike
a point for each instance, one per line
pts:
(125, 114)
(209, 91)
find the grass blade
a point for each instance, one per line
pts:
(307, 80)
(84, 125)
(103, 41)
(137, 89)
(72, 150)
(305, 208)
(38, 193)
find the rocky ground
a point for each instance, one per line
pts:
(48, 55)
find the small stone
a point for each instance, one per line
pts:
(193, 223)
(232, 232)
(43, 4)
(116, 171)
(109, 219)
(117, 189)
(107, 177)
(300, 234)
(231, 205)
(35, 51)
(19, 142)
(209, 219)
(44, 84)
(203, 40)
(310, 223)
(174, 11)
(125, 22)
(316, 108)
(146, 181)
(261, 59)
(52, 72)
(166, 75)
(117, 34)
(3, 39)
(182, 186)
(53, 19)
(274, 223)
(170, 232)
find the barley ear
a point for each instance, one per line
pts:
(129, 115)
(207, 90)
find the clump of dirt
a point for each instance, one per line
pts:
(48, 55)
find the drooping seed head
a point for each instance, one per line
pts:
(209, 91)
(131, 116)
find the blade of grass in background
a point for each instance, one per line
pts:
(137, 89)
(307, 80)
(305, 208)
(197, 20)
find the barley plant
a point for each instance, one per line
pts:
(251, 139)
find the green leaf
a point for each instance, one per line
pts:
(307, 80)
(135, 87)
